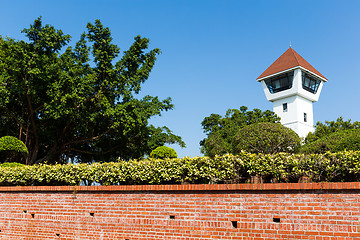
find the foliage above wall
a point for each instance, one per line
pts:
(335, 142)
(266, 137)
(324, 129)
(222, 130)
(281, 167)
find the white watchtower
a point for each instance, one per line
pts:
(292, 85)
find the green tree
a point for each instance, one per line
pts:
(222, 130)
(79, 102)
(266, 137)
(337, 141)
(163, 152)
(323, 129)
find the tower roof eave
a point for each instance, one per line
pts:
(291, 69)
(287, 61)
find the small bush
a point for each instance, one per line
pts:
(12, 149)
(335, 142)
(12, 144)
(266, 137)
(11, 164)
(163, 152)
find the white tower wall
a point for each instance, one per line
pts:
(294, 118)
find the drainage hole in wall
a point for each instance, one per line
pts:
(234, 224)
(92, 214)
(276, 220)
(33, 215)
(58, 234)
(172, 216)
(24, 211)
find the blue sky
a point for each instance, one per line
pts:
(213, 51)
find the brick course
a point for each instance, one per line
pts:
(320, 211)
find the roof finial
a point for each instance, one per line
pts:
(290, 43)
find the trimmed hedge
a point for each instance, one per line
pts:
(12, 144)
(281, 167)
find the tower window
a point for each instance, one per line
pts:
(310, 83)
(280, 83)
(305, 117)
(285, 109)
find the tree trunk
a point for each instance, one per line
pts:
(34, 154)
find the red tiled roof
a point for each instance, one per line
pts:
(287, 60)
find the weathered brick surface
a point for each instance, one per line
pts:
(320, 211)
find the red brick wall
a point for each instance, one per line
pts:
(324, 211)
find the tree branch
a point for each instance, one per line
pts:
(13, 116)
(88, 152)
(89, 139)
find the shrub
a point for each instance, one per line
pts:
(11, 164)
(12, 144)
(335, 142)
(266, 137)
(10, 148)
(163, 152)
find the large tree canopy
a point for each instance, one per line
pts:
(222, 130)
(79, 102)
